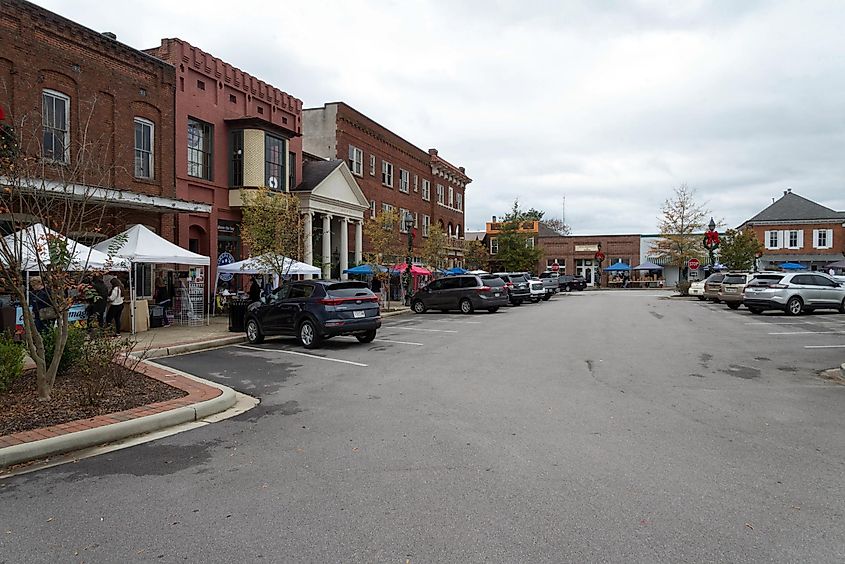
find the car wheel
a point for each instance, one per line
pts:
(466, 306)
(734, 305)
(547, 297)
(701, 298)
(517, 302)
(308, 335)
(253, 332)
(366, 337)
(493, 309)
(535, 300)
(755, 310)
(418, 306)
(842, 306)
(794, 306)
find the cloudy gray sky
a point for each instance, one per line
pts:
(609, 103)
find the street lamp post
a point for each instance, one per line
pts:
(711, 241)
(409, 228)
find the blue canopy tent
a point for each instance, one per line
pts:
(363, 269)
(455, 270)
(792, 266)
(618, 267)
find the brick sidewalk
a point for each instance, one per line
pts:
(197, 392)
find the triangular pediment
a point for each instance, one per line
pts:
(340, 186)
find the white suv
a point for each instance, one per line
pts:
(794, 293)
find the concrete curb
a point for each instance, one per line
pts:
(395, 313)
(194, 347)
(117, 431)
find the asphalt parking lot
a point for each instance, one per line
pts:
(599, 426)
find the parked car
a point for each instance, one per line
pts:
(697, 289)
(517, 284)
(550, 283)
(569, 282)
(794, 293)
(536, 289)
(313, 310)
(732, 287)
(712, 285)
(466, 293)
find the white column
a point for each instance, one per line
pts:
(344, 247)
(309, 241)
(327, 246)
(359, 240)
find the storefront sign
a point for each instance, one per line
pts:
(225, 258)
(75, 315)
(586, 248)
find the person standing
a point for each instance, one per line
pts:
(42, 310)
(100, 304)
(254, 291)
(115, 299)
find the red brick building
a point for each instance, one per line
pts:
(575, 254)
(80, 88)
(233, 132)
(391, 172)
(795, 229)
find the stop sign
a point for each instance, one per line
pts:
(693, 264)
(555, 267)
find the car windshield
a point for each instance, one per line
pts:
(348, 290)
(493, 282)
(766, 280)
(734, 279)
(518, 278)
(714, 278)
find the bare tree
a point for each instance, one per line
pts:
(60, 188)
(681, 224)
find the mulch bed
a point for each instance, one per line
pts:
(20, 409)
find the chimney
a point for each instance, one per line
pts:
(110, 35)
(787, 191)
(494, 219)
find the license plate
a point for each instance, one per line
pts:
(358, 313)
(496, 295)
(730, 290)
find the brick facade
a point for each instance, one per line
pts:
(108, 85)
(576, 253)
(330, 131)
(228, 99)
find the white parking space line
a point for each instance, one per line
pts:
(810, 333)
(297, 353)
(395, 342)
(776, 323)
(420, 329)
(824, 346)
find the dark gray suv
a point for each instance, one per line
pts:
(517, 284)
(465, 293)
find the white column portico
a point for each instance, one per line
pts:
(309, 242)
(327, 246)
(359, 240)
(344, 247)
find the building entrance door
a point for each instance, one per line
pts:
(585, 268)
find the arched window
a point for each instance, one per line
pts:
(449, 230)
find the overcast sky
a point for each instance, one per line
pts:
(609, 103)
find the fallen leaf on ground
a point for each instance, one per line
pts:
(750, 526)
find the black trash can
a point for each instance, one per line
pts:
(237, 312)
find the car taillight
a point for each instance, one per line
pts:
(339, 301)
(485, 289)
(509, 284)
(779, 286)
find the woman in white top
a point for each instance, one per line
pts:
(115, 304)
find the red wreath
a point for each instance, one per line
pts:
(599, 256)
(711, 240)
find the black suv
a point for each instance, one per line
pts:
(517, 284)
(313, 310)
(466, 293)
(569, 282)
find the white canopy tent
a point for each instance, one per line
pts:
(140, 245)
(257, 265)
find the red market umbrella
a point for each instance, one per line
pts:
(415, 270)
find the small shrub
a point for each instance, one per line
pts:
(11, 361)
(104, 361)
(73, 346)
(683, 287)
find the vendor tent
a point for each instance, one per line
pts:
(140, 245)
(257, 265)
(478, 272)
(792, 266)
(415, 270)
(363, 269)
(839, 265)
(618, 267)
(31, 247)
(456, 270)
(648, 266)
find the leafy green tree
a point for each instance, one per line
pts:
(476, 256)
(681, 224)
(739, 249)
(273, 229)
(386, 243)
(517, 250)
(434, 250)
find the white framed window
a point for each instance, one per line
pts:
(356, 161)
(459, 201)
(387, 208)
(440, 194)
(416, 183)
(823, 238)
(372, 209)
(387, 174)
(772, 239)
(529, 243)
(402, 212)
(404, 180)
(494, 245)
(55, 120)
(144, 139)
(372, 165)
(425, 225)
(426, 190)
(451, 197)
(416, 220)
(795, 239)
